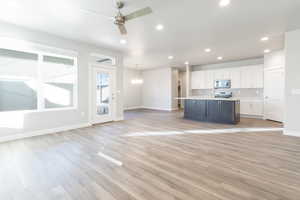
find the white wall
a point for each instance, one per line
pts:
(292, 83)
(36, 121)
(274, 59)
(157, 89)
(132, 92)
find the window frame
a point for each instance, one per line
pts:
(34, 49)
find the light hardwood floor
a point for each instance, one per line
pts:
(154, 155)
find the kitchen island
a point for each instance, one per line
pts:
(218, 110)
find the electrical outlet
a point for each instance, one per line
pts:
(82, 114)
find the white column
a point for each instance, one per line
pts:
(188, 80)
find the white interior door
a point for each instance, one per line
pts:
(274, 94)
(103, 90)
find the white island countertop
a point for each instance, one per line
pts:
(207, 98)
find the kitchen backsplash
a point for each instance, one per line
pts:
(238, 93)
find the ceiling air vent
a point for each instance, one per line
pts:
(105, 60)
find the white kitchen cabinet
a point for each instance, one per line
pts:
(219, 74)
(246, 77)
(226, 74)
(202, 80)
(249, 107)
(243, 77)
(202, 77)
(198, 80)
(195, 80)
(235, 77)
(209, 79)
(252, 77)
(259, 76)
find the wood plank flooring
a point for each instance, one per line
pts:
(154, 155)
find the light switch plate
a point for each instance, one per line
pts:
(295, 92)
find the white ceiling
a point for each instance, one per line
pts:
(191, 26)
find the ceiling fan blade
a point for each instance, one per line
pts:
(139, 13)
(97, 13)
(122, 29)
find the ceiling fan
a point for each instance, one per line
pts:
(121, 19)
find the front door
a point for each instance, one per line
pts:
(103, 89)
(274, 94)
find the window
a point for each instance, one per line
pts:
(18, 80)
(59, 78)
(36, 81)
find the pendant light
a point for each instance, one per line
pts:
(137, 80)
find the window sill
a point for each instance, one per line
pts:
(40, 111)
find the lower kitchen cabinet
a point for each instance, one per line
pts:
(229, 111)
(223, 111)
(252, 108)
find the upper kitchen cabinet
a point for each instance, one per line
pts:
(235, 77)
(241, 77)
(252, 76)
(196, 80)
(221, 74)
(202, 80)
(210, 79)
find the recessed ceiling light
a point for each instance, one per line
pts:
(170, 57)
(265, 39)
(224, 3)
(123, 41)
(187, 63)
(220, 58)
(267, 51)
(207, 50)
(159, 27)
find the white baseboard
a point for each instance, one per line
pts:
(42, 132)
(252, 116)
(291, 133)
(133, 108)
(157, 108)
(119, 119)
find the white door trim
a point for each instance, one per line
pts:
(93, 66)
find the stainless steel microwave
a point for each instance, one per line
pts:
(222, 84)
